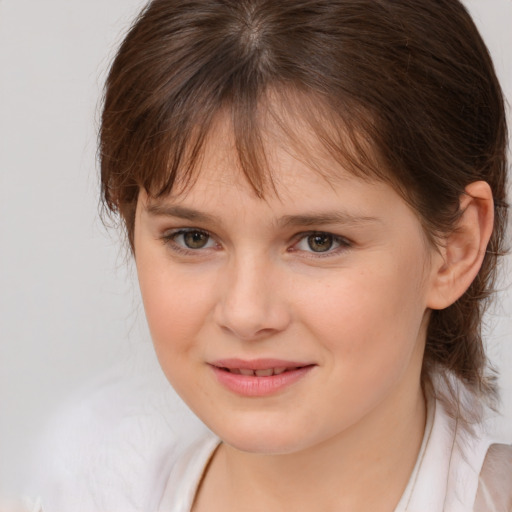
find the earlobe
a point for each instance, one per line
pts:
(464, 248)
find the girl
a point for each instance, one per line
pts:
(314, 194)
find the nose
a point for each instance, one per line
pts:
(251, 304)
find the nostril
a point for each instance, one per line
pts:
(246, 331)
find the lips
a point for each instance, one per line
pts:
(268, 372)
(259, 377)
(258, 364)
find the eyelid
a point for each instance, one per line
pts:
(344, 244)
(168, 238)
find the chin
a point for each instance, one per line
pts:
(264, 438)
(263, 444)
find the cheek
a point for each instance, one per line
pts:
(369, 327)
(176, 309)
(369, 319)
(176, 303)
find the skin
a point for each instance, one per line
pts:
(347, 434)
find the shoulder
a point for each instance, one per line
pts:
(495, 481)
(22, 505)
(187, 473)
(113, 446)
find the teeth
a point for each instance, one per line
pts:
(264, 373)
(268, 372)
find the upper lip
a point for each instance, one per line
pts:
(257, 364)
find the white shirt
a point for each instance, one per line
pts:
(131, 446)
(445, 477)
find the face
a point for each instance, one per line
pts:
(286, 321)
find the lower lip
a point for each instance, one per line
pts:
(249, 385)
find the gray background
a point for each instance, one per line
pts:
(69, 305)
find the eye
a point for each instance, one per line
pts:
(190, 239)
(195, 239)
(320, 242)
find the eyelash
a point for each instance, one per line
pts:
(343, 244)
(169, 239)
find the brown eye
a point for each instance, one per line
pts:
(195, 239)
(320, 242)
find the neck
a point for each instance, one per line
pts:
(365, 467)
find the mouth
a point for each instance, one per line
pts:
(266, 372)
(261, 377)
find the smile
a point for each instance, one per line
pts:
(260, 377)
(268, 372)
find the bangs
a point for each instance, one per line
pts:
(302, 123)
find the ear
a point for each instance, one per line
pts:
(460, 258)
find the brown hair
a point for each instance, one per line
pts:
(412, 79)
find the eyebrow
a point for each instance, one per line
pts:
(181, 212)
(312, 219)
(315, 219)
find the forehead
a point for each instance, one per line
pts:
(286, 148)
(307, 187)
